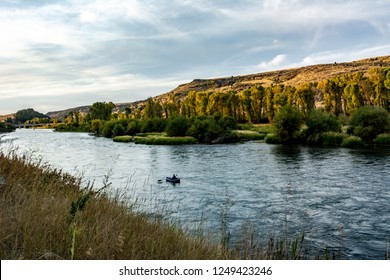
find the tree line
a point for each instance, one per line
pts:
(206, 115)
(258, 104)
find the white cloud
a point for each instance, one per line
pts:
(275, 63)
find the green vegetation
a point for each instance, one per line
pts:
(5, 128)
(155, 139)
(247, 135)
(306, 113)
(164, 140)
(352, 142)
(382, 140)
(369, 122)
(331, 138)
(28, 114)
(319, 124)
(272, 139)
(123, 139)
(288, 122)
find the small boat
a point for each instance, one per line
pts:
(173, 180)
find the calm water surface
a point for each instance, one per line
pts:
(339, 197)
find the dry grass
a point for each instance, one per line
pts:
(36, 221)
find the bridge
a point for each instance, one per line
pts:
(29, 125)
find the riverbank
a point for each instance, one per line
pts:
(46, 214)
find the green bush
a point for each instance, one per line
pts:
(318, 122)
(153, 125)
(177, 126)
(133, 127)
(352, 142)
(331, 138)
(97, 127)
(123, 139)
(205, 129)
(163, 140)
(118, 129)
(108, 127)
(226, 123)
(288, 122)
(382, 140)
(368, 122)
(272, 139)
(5, 128)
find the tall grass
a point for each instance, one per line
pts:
(46, 214)
(248, 135)
(382, 140)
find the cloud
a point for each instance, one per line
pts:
(275, 63)
(130, 49)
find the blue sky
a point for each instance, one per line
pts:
(66, 53)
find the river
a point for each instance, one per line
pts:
(340, 198)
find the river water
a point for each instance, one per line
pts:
(340, 198)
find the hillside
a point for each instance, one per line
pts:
(5, 117)
(293, 76)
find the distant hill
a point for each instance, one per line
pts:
(5, 117)
(293, 76)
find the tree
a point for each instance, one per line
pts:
(152, 109)
(368, 122)
(306, 98)
(28, 114)
(101, 110)
(318, 122)
(177, 126)
(288, 121)
(353, 98)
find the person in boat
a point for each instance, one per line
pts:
(174, 176)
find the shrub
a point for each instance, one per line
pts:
(368, 122)
(205, 129)
(272, 139)
(318, 122)
(5, 128)
(177, 126)
(352, 142)
(288, 121)
(133, 127)
(331, 138)
(382, 140)
(118, 129)
(163, 140)
(97, 126)
(225, 122)
(123, 139)
(107, 130)
(154, 125)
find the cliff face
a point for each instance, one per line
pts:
(294, 76)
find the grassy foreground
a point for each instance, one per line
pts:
(46, 214)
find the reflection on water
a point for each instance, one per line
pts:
(338, 197)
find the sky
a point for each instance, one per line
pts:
(61, 54)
